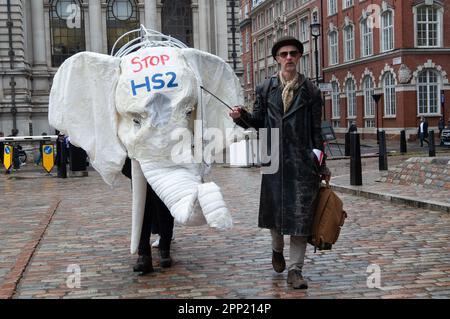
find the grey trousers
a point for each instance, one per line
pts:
(297, 249)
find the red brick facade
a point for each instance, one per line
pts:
(404, 52)
(405, 60)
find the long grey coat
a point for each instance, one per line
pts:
(287, 195)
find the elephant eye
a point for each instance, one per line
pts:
(136, 121)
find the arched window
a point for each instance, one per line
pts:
(387, 31)
(389, 94)
(122, 16)
(349, 43)
(369, 103)
(366, 38)
(428, 92)
(350, 92)
(335, 107)
(333, 42)
(67, 29)
(176, 20)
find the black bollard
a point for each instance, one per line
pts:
(355, 160)
(403, 142)
(431, 146)
(382, 153)
(347, 144)
(61, 157)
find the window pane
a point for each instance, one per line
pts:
(67, 35)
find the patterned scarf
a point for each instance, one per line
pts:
(289, 87)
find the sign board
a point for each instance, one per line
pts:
(397, 61)
(7, 156)
(326, 87)
(48, 159)
(327, 131)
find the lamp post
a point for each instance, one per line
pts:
(376, 98)
(315, 33)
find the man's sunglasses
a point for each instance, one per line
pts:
(291, 53)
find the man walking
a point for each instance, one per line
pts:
(422, 131)
(291, 104)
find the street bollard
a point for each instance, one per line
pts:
(347, 144)
(61, 150)
(431, 146)
(403, 142)
(382, 153)
(355, 160)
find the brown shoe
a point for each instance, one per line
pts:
(295, 278)
(278, 262)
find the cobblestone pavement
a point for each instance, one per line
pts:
(90, 229)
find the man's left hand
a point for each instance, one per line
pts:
(325, 174)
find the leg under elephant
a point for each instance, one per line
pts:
(163, 222)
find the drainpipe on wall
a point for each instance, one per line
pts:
(233, 33)
(11, 54)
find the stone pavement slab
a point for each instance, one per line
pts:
(90, 232)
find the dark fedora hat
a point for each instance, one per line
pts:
(288, 40)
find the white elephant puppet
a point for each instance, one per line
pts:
(131, 106)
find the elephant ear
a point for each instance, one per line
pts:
(216, 76)
(82, 106)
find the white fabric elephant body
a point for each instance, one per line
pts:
(115, 108)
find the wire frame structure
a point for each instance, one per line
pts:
(147, 38)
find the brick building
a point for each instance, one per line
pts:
(271, 19)
(405, 56)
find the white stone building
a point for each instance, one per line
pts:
(36, 36)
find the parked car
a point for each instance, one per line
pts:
(445, 137)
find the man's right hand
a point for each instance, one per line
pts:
(236, 112)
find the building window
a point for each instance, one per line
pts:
(269, 44)
(369, 123)
(428, 92)
(67, 35)
(304, 64)
(247, 41)
(122, 16)
(369, 103)
(387, 31)
(248, 73)
(176, 20)
(428, 26)
(366, 38)
(332, 7)
(349, 43)
(347, 3)
(261, 49)
(292, 31)
(335, 107)
(333, 39)
(350, 92)
(304, 29)
(389, 94)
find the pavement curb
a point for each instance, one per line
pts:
(397, 199)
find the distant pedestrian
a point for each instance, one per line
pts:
(441, 125)
(422, 131)
(16, 149)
